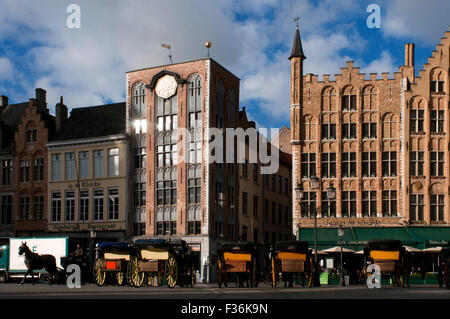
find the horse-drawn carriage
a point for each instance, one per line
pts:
(289, 258)
(388, 254)
(239, 259)
(159, 259)
(112, 258)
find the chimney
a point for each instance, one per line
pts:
(3, 102)
(61, 114)
(409, 54)
(41, 98)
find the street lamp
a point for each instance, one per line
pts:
(341, 269)
(331, 194)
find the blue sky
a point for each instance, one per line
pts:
(250, 38)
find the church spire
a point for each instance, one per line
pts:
(297, 50)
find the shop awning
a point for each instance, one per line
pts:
(431, 236)
(356, 238)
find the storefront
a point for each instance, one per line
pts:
(356, 238)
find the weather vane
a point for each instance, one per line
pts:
(296, 20)
(170, 52)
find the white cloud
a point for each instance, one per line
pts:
(88, 65)
(420, 20)
(6, 69)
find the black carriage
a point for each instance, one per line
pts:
(289, 258)
(238, 259)
(389, 255)
(113, 259)
(157, 259)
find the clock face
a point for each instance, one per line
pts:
(166, 86)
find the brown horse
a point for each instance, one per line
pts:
(34, 261)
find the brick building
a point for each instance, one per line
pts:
(175, 190)
(382, 142)
(265, 202)
(87, 176)
(36, 126)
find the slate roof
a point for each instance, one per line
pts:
(12, 115)
(297, 50)
(93, 121)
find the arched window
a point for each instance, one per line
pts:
(139, 101)
(328, 99)
(370, 98)
(437, 81)
(349, 102)
(390, 126)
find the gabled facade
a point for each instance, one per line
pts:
(382, 142)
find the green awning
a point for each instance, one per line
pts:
(364, 234)
(356, 238)
(431, 236)
(326, 237)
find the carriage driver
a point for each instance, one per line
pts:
(78, 252)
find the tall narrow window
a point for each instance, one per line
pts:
(417, 117)
(70, 206)
(308, 165)
(84, 164)
(113, 162)
(328, 206)
(98, 163)
(416, 163)
(56, 167)
(437, 161)
(194, 221)
(389, 203)
(437, 208)
(39, 169)
(255, 206)
(369, 164)
(113, 204)
(24, 171)
(244, 203)
(348, 204)
(308, 204)
(7, 172)
(416, 207)
(56, 206)
(98, 204)
(369, 201)
(84, 205)
(6, 209)
(139, 194)
(194, 185)
(139, 101)
(349, 164)
(24, 208)
(328, 164)
(389, 164)
(70, 166)
(437, 121)
(38, 207)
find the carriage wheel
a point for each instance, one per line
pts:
(120, 278)
(99, 275)
(171, 272)
(137, 277)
